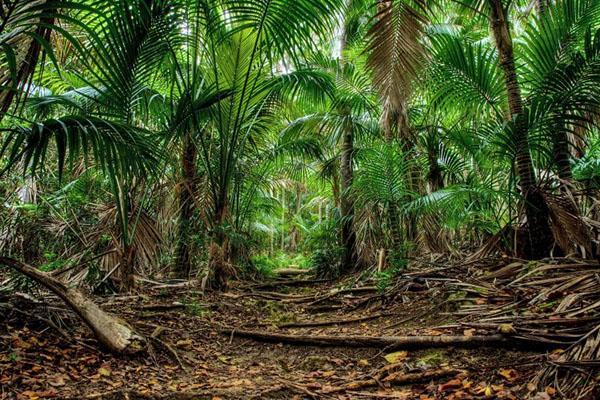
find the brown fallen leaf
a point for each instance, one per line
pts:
(57, 381)
(508, 374)
(451, 384)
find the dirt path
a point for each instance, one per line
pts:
(192, 359)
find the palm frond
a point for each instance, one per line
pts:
(116, 147)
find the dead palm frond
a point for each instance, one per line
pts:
(396, 54)
(571, 231)
(144, 237)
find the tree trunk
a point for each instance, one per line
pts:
(219, 268)
(348, 236)
(349, 260)
(186, 207)
(111, 332)
(295, 234)
(126, 269)
(335, 189)
(435, 179)
(283, 211)
(561, 154)
(540, 239)
(413, 176)
(394, 225)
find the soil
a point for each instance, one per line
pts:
(49, 354)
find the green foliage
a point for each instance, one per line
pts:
(261, 97)
(267, 265)
(397, 263)
(194, 307)
(327, 260)
(54, 263)
(381, 176)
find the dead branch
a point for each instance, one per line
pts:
(110, 331)
(391, 342)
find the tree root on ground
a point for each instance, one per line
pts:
(345, 321)
(398, 378)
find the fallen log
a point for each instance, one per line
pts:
(406, 342)
(110, 331)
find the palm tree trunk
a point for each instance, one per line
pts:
(560, 150)
(350, 256)
(295, 234)
(186, 207)
(540, 239)
(435, 179)
(394, 225)
(218, 254)
(347, 202)
(127, 271)
(283, 211)
(335, 189)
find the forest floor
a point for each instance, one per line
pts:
(191, 356)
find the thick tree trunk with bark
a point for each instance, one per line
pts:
(111, 332)
(186, 207)
(540, 238)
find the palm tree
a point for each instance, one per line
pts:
(120, 55)
(232, 47)
(396, 55)
(349, 115)
(540, 238)
(529, 113)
